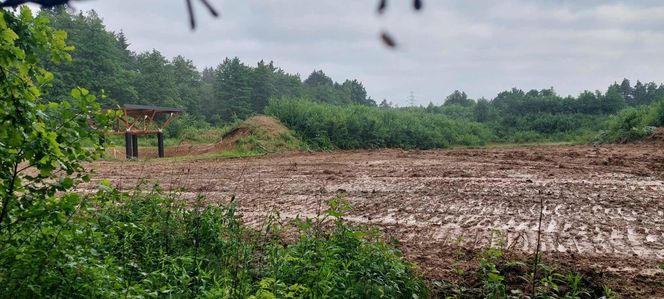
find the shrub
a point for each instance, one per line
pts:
(655, 115)
(354, 126)
(147, 244)
(629, 124)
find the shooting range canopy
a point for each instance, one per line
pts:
(137, 111)
(143, 119)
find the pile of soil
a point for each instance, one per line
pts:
(265, 127)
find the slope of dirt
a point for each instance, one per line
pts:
(657, 136)
(267, 132)
(603, 206)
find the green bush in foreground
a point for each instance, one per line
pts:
(145, 244)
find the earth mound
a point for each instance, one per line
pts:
(260, 132)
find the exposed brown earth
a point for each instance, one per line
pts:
(603, 206)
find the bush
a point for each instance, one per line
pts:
(655, 115)
(630, 124)
(146, 244)
(354, 126)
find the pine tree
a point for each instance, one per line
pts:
(188, 83)
(639, 94)
(232, 90)
(156, 84)
(626, 89)
(262, 84)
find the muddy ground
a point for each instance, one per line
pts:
(603, 206)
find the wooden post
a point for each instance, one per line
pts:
(134, 144)
(128, 145)
(160, 144)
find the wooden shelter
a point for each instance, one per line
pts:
(143, 120)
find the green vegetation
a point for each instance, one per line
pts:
(232, 91)
(355, 126)
(500, 277)
(512, 117)
(634, 123)
(56, 243)
(145, 244)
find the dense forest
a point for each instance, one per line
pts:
(320, 109)
(103, 62)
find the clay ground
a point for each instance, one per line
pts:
(603, 205)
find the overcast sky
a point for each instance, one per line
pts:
(481, 47)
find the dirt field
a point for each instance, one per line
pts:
(603, 206)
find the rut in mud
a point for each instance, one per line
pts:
(602, 205)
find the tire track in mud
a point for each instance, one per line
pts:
(472, 198)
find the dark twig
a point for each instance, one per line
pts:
(537, 251)
(417, 4)
(210, 8)
(388, 40)
(43, 3)
(190, 9)
(381, 6)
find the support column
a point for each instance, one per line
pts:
(160, 144)
(134, 143)
(128, 145)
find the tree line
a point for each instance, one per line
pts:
(103, 63)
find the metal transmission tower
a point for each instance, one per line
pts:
(411, 99)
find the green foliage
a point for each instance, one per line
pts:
(234, 90)
(634, 123)
(655, 115)
(157, 83)
(42, 143)
(457, 111)
(484, 111)
(494, 286)
(627, 125)
(101, 61)
(345, 262)
(498, 277)
(458, 98)
(357, 126)
(189, 127)
(145, 244)
(42, 147)
(265, 135)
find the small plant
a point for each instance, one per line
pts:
(494, 286)
(609, 293)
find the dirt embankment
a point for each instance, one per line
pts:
(603, 206)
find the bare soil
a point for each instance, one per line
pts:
(603, 206)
